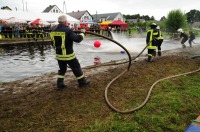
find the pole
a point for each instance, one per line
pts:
(23, 4)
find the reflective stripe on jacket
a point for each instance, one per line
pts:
(63, 38)
(58, 39)
(160, 36)
(151, 39)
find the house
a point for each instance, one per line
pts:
(6, 8)
(196, 25)
(83, 16)
(135, 20)
(108, 17)
(52, 9)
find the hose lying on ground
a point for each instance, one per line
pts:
(151, 88)
(148, 95)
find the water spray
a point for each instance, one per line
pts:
(110, 39)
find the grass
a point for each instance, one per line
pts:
(171, 107)
(167, 108)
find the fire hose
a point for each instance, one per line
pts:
(130, 59)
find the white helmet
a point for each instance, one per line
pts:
(158, 27)
(180, 30)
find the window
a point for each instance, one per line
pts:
(86, 17)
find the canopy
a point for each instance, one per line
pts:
(105, 23)
(37, 21)
(31, 16)
(13, 20)
(119, 23)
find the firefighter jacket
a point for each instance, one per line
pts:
(192, 35)
(184, 35)
(151, 38)
(63, 37)
(160, 36)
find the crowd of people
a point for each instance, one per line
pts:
(29, 31)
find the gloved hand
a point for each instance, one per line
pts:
(82, 34)
(83, 30)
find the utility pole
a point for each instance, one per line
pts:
(23, 4)
(96, 16)
(64, 7)
(26, 7)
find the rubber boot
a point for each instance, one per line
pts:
(154, 53)
(83, 82)
(60, 83)
(159, 53)
(149, 59)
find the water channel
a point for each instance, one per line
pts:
(33, 59)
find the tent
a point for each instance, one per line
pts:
(31, 16)
(13, 20)
(119, 23)
(105, 24)
(37, 21)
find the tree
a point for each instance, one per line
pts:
(137, 16)
(145, 17)
(152, 18)
(175, 19)
(193, 16)
(162, 18)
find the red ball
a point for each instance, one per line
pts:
(97, 44)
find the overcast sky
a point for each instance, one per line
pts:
(156, 8)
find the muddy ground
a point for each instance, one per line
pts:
(34, 104)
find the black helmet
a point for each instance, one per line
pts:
(153, 25)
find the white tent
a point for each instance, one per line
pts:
(6, 14)
(13, 20)
(30, 16)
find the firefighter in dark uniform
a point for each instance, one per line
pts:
(29, 32)
(63, 38)
(191, 37)
(152, 33)
(183, 36)
(159, 40)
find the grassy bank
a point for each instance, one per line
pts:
(33, 104)
(172, 106)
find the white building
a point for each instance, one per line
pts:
(52, 9)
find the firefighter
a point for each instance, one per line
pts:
(191, 36)
(29, 32)
(159, 40)
(63, 38)
(183, 36)
(152, 33)
(39, 33)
